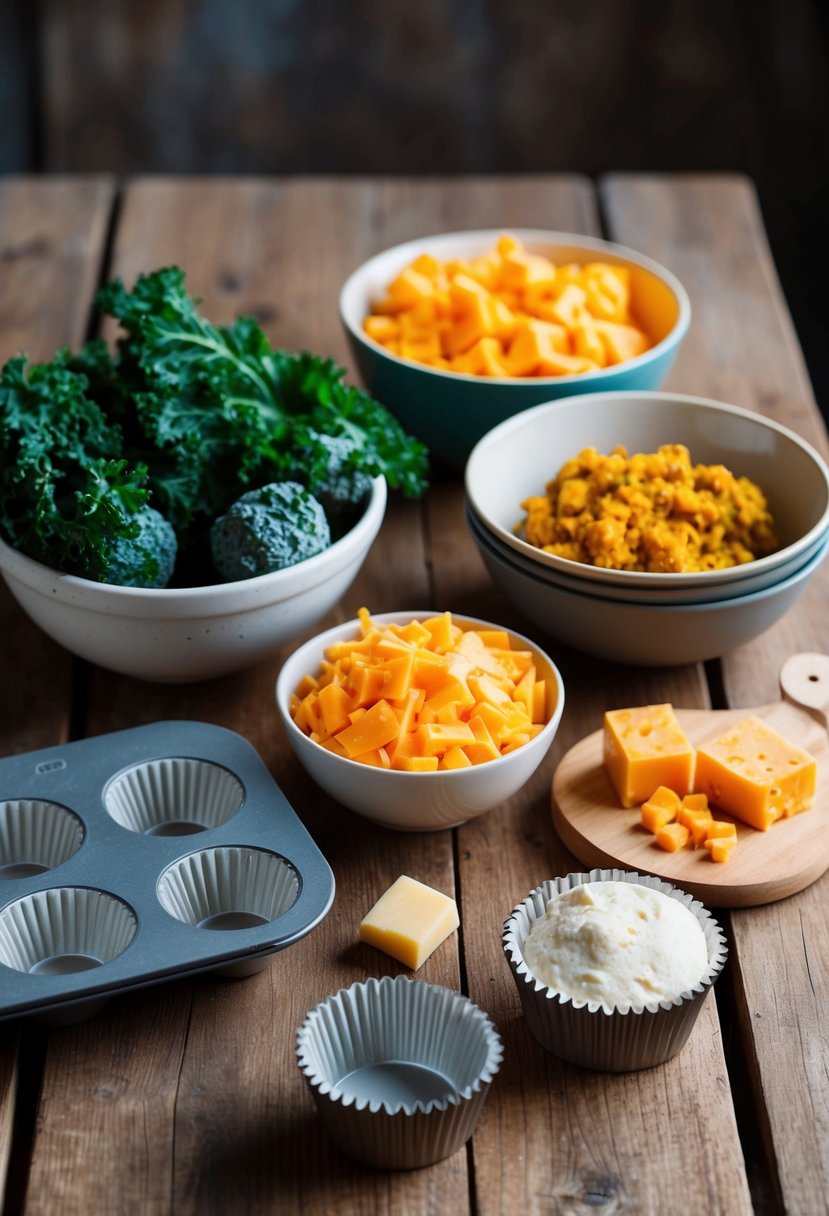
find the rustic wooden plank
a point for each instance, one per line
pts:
(555, 1137)
(742, 348)
(232, 1123)
(52, 238)
(8, 1099)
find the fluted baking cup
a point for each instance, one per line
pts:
(63, 930)
(174, 796)
(230, 887)
(35, 836)
(398, 1069)
(593, 1035)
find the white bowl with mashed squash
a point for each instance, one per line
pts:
(517, 459)
(612, 967)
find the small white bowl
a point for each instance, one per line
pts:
(517, 459)
(414, 801)
(173, 634)
(647, 635)
(450, 411)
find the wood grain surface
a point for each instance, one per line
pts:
(741, 347)
(186, 1098)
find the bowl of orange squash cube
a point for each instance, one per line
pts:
(420, 720)
(457, 332)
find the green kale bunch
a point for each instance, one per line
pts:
(182, 418)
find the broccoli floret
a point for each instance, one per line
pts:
(268, 529)
(144, 560)
(340, 486)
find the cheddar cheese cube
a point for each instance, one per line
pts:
(662, 807)
(672, 837)
(410, 921)
(721, 847)
(644, 748)
(756, 774)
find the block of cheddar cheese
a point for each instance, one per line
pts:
(410, 921)
(756, 774)
(644, 748)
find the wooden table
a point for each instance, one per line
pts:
(186, 1097)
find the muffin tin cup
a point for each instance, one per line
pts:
(64, 930)
(593, 1035)
(398, 1069)
(229, 889)
(225, 901)
(174, 796)
(36, 836)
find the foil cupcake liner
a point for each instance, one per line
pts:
(398, 1069)
(591, 1035)
(173, 796)
(36, 836)
(63, 930)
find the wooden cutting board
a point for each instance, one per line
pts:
(765, 866)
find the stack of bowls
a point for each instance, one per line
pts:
(639, 617)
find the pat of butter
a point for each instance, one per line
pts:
(756, 774)
(644, 748)
(410, 921)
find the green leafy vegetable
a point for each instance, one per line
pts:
(185, 416)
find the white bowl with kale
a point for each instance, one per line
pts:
(181, 506)
(179, 634)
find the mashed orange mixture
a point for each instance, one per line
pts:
(654, 511)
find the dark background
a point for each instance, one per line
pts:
(438, 86)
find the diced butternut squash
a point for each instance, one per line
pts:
(508, 312)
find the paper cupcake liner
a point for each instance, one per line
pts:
(590, 1035)
(230, 887)
(64, 929)
(398, 1069)
(36, 836)
(174, 796)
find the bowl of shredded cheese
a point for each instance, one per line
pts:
(420, 720)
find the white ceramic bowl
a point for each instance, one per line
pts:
(648, 635)
(629, 594)
(450, 411)
(192, 633)
(516, 460)
(414, 801)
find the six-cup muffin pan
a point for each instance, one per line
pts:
(145, 855)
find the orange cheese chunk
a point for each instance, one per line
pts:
(756, 774)
(671, 837)
(410, 921)
(423, 695)
(644, 748)
(720, 847)
(662, 807)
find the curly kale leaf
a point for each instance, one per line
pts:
(225, 411)
(64, 492)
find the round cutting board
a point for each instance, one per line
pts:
(765, 866)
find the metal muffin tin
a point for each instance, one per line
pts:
(146, 855)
